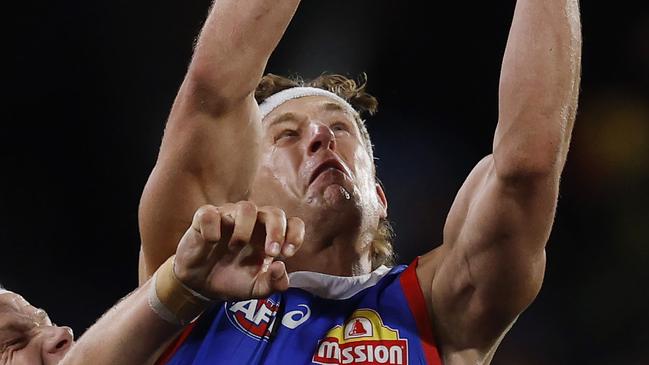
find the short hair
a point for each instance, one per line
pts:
(352, 91)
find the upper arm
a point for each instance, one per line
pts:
(492, 262)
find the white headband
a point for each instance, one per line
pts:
(275, 100)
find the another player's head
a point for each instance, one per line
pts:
(27, 336)
(317, 160)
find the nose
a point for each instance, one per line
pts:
(57, 340)
(322, 138)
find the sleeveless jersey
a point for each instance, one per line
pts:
(377, 318)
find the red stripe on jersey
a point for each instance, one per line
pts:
(417, 304)
(175, 345)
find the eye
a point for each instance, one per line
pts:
(285, 134)
(339, 127)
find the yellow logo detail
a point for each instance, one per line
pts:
(364, 340)
(363, 324)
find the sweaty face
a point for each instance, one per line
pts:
(315, 165)
(27, 336)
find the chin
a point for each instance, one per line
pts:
(334, 196)
(335, 204)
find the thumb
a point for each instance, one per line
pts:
(273, 280)
(278, 276)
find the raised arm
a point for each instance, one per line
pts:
(491, 264)
(210, 146)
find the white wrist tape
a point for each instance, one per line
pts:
(173, 301)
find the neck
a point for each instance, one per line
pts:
(346, 254)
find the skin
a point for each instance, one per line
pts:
(222, 255)
(27, 336)
(217, 150)
(490, 265)
(344, 199)
(214, 114)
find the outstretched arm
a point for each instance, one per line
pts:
(129, 333)
(217, 257)
(210, 146)
(491, 264)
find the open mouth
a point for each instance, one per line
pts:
(324, 167)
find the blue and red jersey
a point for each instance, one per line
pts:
(378, 318)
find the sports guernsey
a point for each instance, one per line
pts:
(377, 318)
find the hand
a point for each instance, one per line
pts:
(230, 251)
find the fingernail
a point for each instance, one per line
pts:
(289, 250)
(275, 248)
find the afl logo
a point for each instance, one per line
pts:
(255, 317)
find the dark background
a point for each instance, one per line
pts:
(88, 86)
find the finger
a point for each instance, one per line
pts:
(274, 221)
(294, 236)
(275, 279)
(268, 260)
(207, 221)
(278, 276)
(244, 224)
(198, 241)
(228, 211)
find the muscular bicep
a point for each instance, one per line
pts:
(493, 253)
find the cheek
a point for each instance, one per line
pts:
(277, 172)
(363, 168)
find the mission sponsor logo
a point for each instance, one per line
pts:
(362, 340)
(255, 317)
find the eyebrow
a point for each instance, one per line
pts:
(283, 118)
(290, 116)
(334, 107)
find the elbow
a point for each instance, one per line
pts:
(205, 93)
(213, 92)
(529, 161)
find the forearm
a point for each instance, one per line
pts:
(234, 46)
(129, 333)
(539, 86)
(210, 149)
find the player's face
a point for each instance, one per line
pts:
(314, 160)
(27, 336)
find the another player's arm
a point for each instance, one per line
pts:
(492, 261)
(210, 145)
(130, 333)
(218, 257)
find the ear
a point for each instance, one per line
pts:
(383, 201)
